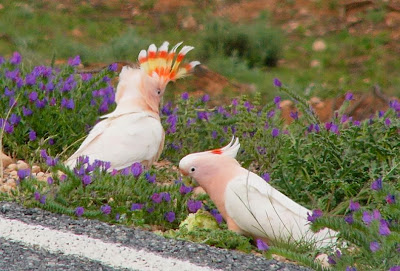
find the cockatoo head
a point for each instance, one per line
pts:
(157, 68)
(199, 165)
(163, 66)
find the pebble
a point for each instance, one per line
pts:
(12, 167)
(319, 45)
(35, 169)
(22, 165)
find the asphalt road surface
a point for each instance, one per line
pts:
(34, 239)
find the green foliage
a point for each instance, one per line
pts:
(257, 43)
(63, 107)
(219, 238)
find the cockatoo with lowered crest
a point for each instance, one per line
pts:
(133, 131)
(250, 205)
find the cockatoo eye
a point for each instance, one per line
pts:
(192, 169)
(158, 91)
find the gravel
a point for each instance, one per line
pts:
(199, 254)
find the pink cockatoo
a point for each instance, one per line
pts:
(250, 205)
(133, 131)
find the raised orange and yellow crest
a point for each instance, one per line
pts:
(164, 65)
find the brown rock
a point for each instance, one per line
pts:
(319, 45)
(35, 169)
(11, 167)
(5, 160)
(22, 165)
(199, 190)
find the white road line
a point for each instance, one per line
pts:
(111, 254)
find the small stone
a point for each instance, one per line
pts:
(322, 259)
(12, 167)
(13, 173)
(11, 182)
(22, 165)
(5, 160)
(319, 45)
(199, 190)
(5, 188)
(315, 63)
(35, 169)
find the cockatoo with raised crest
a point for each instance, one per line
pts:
(250, 205)
(133, 131)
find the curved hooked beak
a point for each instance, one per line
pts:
(183, 172)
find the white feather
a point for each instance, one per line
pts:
(122, 141)
(261, 210)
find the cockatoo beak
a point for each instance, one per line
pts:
(183, 172)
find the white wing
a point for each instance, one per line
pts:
(123, 140)
(261, 210)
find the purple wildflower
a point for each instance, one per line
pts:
(32, 135)
(8, 128)
(26, 111)
(315, 214)
(79, 211)
(86, 180)
(388, 122)
(14, 119)
(170, 216)
(172, 120)
(266, 177)
(270, 114)
(214, 134)
(8, 92)
(357, 123)
(275, 132)
(63, 177)
(217, 215)
(205, 98)
(136, 206)
(277, 82)
(150, 178)
(36, 195)
(74, 61)
(331, 260)
(344, 118)
(261, 245)
(185, 189)
(248, 105)
(185, 96)
(43, 199)
(156, 197)
(377, 184)
(113, 67)
(202, 115)
(235, 102)
(86, 76)
(43, 154)
(166, 196)
(194, 205)
(33, 96)
(277, 100)
(150, 210)
(376, 214)
(50, 180)
(23, 173)
(390, 199)
(67, 103)
(125, 171)
(16, 58)
(354, 206)
(40, 103)
(50, 161)
(50, 86)
(350, 268)
(166, 109)
(349, 96)
(384, 228)
(374, 246)
(395, 268)
(294, 115)
(367, 218)
(349, 219)
(106, 209)
(136, 169)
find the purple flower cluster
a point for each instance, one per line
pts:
(194, 205)
(40, 198)
(315, 214)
